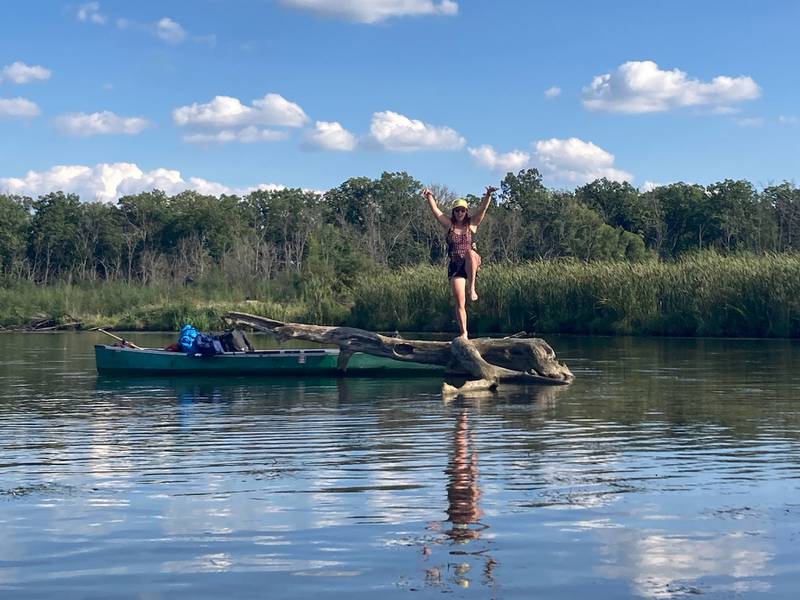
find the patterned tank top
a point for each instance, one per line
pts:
(458, 244)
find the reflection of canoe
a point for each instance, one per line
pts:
(301, 362)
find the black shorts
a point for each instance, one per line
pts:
(457, 267)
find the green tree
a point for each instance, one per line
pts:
(287, 219)
(143, 217)
(14, 223)
(52, 246)
(379, 215)
(685, 222)
(587, 237)
(98, 242)
(540, 214)
(782, 202)
(733, 215)
(619, 203)
(214, 222)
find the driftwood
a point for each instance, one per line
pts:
(485, 362)
(45, 323)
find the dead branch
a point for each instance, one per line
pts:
(485, 361)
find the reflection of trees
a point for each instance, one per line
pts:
(739, 384)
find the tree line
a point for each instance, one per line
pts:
(372, 224)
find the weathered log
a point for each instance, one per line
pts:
(58, 326)
(470, 387)
(486, 360)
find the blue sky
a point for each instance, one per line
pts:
(111, 97)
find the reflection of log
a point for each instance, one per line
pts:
(489, 361)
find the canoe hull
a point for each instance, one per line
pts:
(302, 363)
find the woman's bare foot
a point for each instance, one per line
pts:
(473, 296)
(464, 336)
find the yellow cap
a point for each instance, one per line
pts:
(460, 202)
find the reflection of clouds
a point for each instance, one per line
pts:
(388, 498)
(742, 587)
(566, 489)
(108, 502)
(356, 475)
(576, 465)
(661, 566)
(599, 523)
(224, 562)
(206, 563)
(187, 515)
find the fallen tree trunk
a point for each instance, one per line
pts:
(485, 361)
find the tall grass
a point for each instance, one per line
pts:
(134, 307)
(701, 295)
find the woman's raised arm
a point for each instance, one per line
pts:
(437, 212)
(487, 199)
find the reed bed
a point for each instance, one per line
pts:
(701, 295)
(134, 307)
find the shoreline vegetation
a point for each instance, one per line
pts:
(605, 258)
(699, 295)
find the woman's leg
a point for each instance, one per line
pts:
(459, 285)
(473, 263)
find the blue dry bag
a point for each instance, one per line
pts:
(187, 338)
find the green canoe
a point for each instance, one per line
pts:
(300, 362)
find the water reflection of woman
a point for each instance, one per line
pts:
(463, 511)
(463, 492)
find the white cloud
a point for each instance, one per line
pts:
(226, 111)
(221, 111)
(246, 135)
(641, 86)
(18, 107)
(575, 161)
(107, 182)
(394, 131)
(552, 92)
(649, 186)
(19, 72)
(788, 120)
(100, 123)
(330, 135)
(167, 30)
(90, 13)
(274, 109)
(170, 31)
(375, 11)
(513, 161)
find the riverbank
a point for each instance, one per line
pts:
(704, 295)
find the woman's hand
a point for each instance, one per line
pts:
(427, 194)
(490, 190)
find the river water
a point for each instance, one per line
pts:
(669, 468)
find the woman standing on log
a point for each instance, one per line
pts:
(464, 260)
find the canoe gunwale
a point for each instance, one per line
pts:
(273, 352)
(297, 362)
